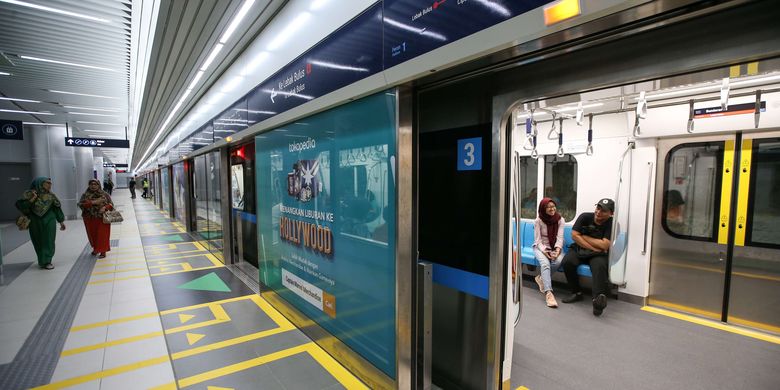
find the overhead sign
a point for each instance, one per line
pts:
(733, 109)
(97, 142)
(11, 130)
(109, 165)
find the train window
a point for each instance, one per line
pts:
(692, 190)
(529, 172)
(765, 210)
(560, 184)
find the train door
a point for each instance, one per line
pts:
(715, 251)
(206, 219)
(243, 207)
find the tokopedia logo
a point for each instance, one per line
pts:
(303, 145)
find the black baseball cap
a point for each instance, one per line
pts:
(607, 204)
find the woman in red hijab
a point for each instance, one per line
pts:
(548, 241)
(93, 203)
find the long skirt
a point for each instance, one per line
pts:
(43, 231)
(99, 234)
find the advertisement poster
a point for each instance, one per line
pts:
(326, 205)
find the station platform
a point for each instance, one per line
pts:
(159, 312)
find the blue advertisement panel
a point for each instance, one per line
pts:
(415, 27)
(350, 54)
(325, 206)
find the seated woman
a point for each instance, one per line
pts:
(548, 244)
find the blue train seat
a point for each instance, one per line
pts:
(527, 251)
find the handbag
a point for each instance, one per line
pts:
(112, 216)
(23, 222)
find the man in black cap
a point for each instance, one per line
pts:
(592, 234)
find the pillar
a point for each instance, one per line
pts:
(51, 158)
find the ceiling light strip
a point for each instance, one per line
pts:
(92, 114)
(67, 63)
(55, 10)
(91, 108)
(27, 112)
(20, 100)
(81, 94)
(236, 20)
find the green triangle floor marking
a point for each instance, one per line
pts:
(172, 237)
(209, 282)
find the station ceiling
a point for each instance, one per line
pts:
(80, 62)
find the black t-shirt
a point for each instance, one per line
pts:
(586, 225)
(132, 183)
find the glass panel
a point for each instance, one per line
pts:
(529, 173)
(179, 192)
(560, 184)
(765, 209)
(214, 205)
(692, 190)
(166, 191)
(201, 198)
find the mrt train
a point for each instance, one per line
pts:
(428, 177)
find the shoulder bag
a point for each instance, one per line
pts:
(112, 216)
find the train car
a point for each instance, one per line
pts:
(380, 189)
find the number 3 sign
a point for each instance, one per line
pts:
(470, 154)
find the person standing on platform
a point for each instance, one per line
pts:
(93, 203)
(108, 186)
(131, 185)
(45, 211)
(145, 184)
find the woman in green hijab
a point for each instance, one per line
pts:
(44, 210)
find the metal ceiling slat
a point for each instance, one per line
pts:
(59, 32)
(46, 19)
(197, 50)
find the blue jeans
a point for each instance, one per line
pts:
(545, 265)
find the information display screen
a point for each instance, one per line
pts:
(326, 202)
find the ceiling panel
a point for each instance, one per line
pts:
(98, 38)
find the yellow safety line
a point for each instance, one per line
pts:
(199, 245)
(746, 153)
(228, 343)
(118, 279)
(179, 257)
(334, 368)
(214, 260)
(118, 263)
(208, 304)
(193, 252)
(725, 192)
(119, 271)
(187, 270)
(233, 368)
(713, 324)
(115, 321)
(105, 373)
(112, 343)
(716, 316)
(269, 310)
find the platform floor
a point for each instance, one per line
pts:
(159, 312)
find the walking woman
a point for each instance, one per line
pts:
(548, 244)
(93, 203)
(44, 210)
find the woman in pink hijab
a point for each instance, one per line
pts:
(548, 244)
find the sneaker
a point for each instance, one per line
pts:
(538, 280)
(599, 303)
(550, 298)
(49, 266)
(102, 255)
(94, 253)
(576, 297)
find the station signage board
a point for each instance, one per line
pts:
(97, 142)
(11, 130)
